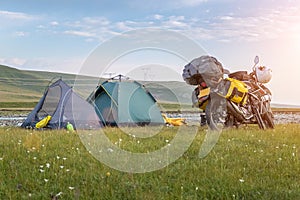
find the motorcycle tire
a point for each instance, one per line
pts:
(214, 112)
(260, 121)
(268, 118)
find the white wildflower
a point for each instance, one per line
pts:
(241, 180)
(71, 188)
(47, 165)
(58, 194)
(61, 166)
(64, 158)
(46, 180)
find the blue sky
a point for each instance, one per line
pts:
(60, 35)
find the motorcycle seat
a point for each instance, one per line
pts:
(240, 75)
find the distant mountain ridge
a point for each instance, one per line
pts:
(24, 85)
(28, 86)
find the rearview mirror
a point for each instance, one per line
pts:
(256, 60)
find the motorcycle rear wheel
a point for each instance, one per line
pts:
(215, 113)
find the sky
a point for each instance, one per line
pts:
(61, 35)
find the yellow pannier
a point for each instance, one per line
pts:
(236, 91)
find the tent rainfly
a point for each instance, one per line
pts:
(125, 102)
(61, 106)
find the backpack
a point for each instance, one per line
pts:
(202, 69)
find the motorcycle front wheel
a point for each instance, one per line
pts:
(268, 117)
(260, 121)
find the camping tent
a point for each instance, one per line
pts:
(61, 105)
(125, 102)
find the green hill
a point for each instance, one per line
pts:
(24, 86)
(28, 86)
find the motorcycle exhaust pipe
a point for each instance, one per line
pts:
(232, 108)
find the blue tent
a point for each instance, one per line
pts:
(64, 106)
(125, 102)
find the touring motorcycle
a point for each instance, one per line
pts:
(240, 98)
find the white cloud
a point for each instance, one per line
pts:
(99, 21)
(192, 2)
(80, 33)
(54, 23)
(21, 34)
(158, 17)
(12, 62)
(266, 24)
(15, 15)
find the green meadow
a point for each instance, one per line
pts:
(246, 163)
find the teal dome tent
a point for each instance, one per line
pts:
(119, 102)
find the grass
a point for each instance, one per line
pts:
(175, 107)
(245, 164)
(10, 105)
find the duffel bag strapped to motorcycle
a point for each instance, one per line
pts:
(199, 69)
(235, 90)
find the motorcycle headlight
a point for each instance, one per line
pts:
(266, 97)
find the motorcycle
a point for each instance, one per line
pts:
(240, 98)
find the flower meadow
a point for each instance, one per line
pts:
(246, 163)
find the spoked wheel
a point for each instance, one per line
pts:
(216, 112)
(268, 117)
(258, 117)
